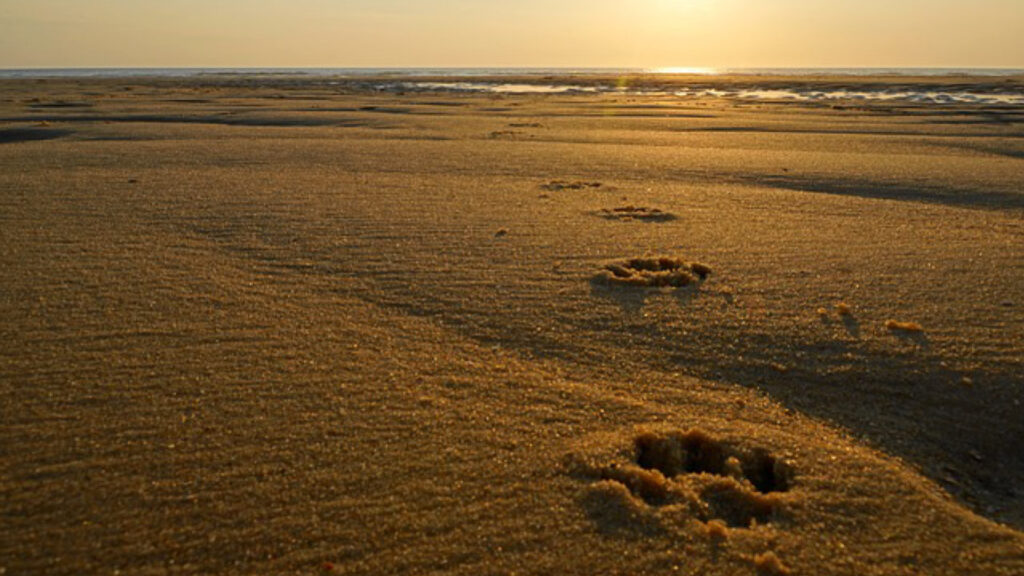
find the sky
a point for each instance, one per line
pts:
(512, 33)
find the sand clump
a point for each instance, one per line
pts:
(649, 485)
(897, 326)
(614, 507)
(769, 564)
(655, 272)
(732, 502)
(717, 530)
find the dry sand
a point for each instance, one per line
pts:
(253, 326)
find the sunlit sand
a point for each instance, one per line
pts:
(323, 325)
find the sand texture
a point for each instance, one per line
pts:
(253, 326)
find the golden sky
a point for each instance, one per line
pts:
(451, 33)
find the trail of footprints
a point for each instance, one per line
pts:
(657, 272)
(677, 474)
(683, 475)
(621, 213)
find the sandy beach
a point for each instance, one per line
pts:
(331, 326)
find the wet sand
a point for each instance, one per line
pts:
(258, 325)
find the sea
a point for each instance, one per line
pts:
(489, 80)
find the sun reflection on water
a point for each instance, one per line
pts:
(684, 70)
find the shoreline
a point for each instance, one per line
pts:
(1002, 93)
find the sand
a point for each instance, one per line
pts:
(268, 326)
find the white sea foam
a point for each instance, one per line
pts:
(462, 80)
(768, 95)
(925, 97)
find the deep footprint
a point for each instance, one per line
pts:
(695, 452)
(693, 474)
(655, 272)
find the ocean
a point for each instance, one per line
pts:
(489, 80)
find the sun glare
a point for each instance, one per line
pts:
(684, 70)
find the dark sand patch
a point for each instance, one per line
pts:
(224, 120)
(505, 134)
(389, 110)
(769, 564)
(1006, 149)
(964, 196)
(12, 135)
(60, 104)
(832, 131)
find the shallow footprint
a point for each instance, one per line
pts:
(559, 185)
(629, 213)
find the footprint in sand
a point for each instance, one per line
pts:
(655, 272)
(505, 134)
(559, 185)
(630, 213)
(691, 474)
